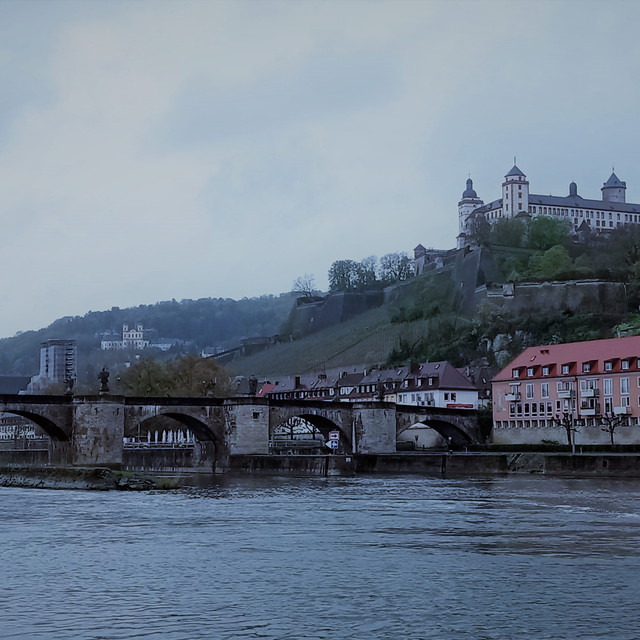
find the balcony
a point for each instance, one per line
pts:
(512, 397)
(589, 393)
(588, 412)
(565, 393)
(621, 411)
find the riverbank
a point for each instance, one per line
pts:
(94, 479)
(457, 464)
(625, 465)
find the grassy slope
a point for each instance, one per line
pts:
(366, 339)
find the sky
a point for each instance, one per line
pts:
(154, 150)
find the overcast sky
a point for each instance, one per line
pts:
(185, 149)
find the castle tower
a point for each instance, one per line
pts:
(469, 203)
(614, 189)
(515, 193)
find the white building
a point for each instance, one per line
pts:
(132, 338)
(581, 213)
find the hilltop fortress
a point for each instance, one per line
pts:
(582, 214)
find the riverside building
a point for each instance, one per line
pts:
(588, 385)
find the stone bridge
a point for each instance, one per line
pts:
(89, 430)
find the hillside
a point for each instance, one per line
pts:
(367, 339)
(461, 312)
(209, 322)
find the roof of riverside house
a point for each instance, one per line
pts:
(593, 352)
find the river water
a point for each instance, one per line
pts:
(402, 558)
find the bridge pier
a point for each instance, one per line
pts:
(98, 429)
(247, 426)
(374, 428)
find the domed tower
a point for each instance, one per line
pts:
(515, 193)
(614, 189)
(469, 203)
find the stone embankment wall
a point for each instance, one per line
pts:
(520, 298)
(445, 465)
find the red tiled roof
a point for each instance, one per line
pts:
(596, 352)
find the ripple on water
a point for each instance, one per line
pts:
(349, 558)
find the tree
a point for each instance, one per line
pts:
(552, 263)
(188, 376)
(343, 276)
(611, 422)
(509, 232)
(568, 423)
(479, 230)
(395, 267)
(305, 286)
(625, 245)
(545, 232)
(366, 273)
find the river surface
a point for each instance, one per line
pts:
(370, 558)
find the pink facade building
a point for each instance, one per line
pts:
(590, 384)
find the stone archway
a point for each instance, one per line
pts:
(452, 436)
(58, 443)
(190, 444)
(316, 427)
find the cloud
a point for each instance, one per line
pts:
(153, 150)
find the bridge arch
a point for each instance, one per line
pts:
(54, 431)
(209, 449)
(319, 422)
(454, 436)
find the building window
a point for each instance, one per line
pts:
(624, 401)
(608, 366)
(545, 371)
(608, 386)
(565, 368)
(586, 367)
(515, 373)
(624, 385)
(529, 391)
(530, 372)
(625, 365)
(544, 390)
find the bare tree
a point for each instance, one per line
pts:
(305, 286)
(568, 423)
(611, 422)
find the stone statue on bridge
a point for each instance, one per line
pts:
(103, 376)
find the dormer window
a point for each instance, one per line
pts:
(529, 372)
(515, 373)
(608, 366)
(586, 367)
(625, 365)
(545, 371)
(565, 368)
